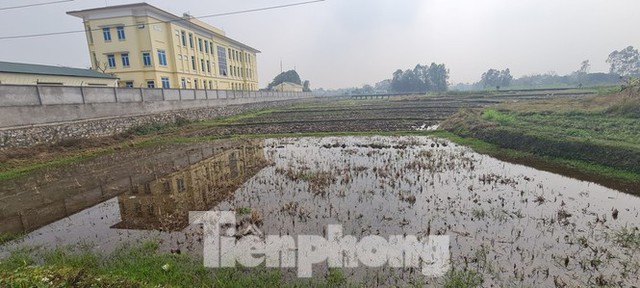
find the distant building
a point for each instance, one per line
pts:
(148, 47)
(287, 87)
(32, 74)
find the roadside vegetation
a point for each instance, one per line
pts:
(140, 265)
(143, 265)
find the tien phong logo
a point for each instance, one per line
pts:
(222, 248)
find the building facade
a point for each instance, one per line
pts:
(288, 87)
(148, 47)
(33, 74)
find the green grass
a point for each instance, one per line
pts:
(140, 265)
(627, 237)
(497, 116)
(8, 172)
(8, 237)
(462, 279)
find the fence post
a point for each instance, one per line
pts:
(82, 94)
(163, 99)
(206, 94)
(141, 94)
(180, 94)
(38, 93)
(217, 95)
(115, 93)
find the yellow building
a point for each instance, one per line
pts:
(164, 203)
(148, 47)
(33, 74)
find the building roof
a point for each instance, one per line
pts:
(23, 68)
(167, 15)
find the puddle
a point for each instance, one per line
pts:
(515, 225)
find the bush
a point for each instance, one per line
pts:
(629, 107)
(497, 116)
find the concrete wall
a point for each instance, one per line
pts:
(31, 115)
(38, 105)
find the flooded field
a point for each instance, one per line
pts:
(514, 225)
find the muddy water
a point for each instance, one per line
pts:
(512, 224)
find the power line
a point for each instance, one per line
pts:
(159, 22)
(34, 5)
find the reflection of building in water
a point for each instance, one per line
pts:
(164, 203)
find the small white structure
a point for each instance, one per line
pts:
(287, 87)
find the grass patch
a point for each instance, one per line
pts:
(139, 265)
(8, 237)
(497, 116)
(627, 238)
(462, 279)
(10, 172)
(154, 128)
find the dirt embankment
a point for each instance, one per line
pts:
(558, 133)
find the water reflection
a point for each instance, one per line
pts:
(155, 187)
(164, 203)
(515, 225)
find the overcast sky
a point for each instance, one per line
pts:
(346, 43)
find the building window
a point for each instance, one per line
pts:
(208, 66)
(180, 184)
(111, 60)
(106, 32)
(193, 63)
(120, 30)
(151, 84)
(191, 40)
(147, 188)
(206, 47)
(184, 38)
(125, 59)
(128, 84)
(210, 84)
(211, 47)
(202, 65)
(183, 83)
(166, 185)
(162, 57)
(222, 61)
(200, 44)
(146, 58)
(165, 83)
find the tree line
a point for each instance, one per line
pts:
(421, 79)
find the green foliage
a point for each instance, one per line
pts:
(496, 78)
(497, 116)
(7, 237)
(625, 62)
(158, 127)
(243, 210)
(287, 76)
(462, 279)
(627, 237)
(306, 86)
(422, 79)
(137, 265)
(629, 107)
